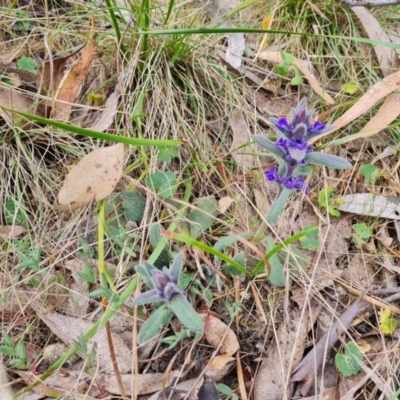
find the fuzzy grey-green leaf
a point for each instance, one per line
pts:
(327, 160)
(269, 145)
(185, 313)
(154, 325)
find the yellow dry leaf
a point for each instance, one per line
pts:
(265, 25)
(388, 325)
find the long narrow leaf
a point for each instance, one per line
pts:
(188, 240)
(96, 134)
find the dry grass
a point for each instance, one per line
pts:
(179, 89)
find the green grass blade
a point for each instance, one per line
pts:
(96, 134)
(280, 246)
(188, 240)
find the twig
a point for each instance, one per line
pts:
(377, 3)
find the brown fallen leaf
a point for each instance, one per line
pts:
(305, 371)
(147, 383)
(58, 384)
(69, 329)
(241, 136)
(71, 84)
(284, 354)
(224, 203)
(180, 391)
(376, 93)
(110, 111)
(14, 99)
(387, 57)
(276, 57)
(93, 178)
(219, 335)
(51, 73)
(219, 362)
(11, 231)
(78, 301)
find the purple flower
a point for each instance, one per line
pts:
(290, 182)
(301, 126)
(295, 183)
(272, 174)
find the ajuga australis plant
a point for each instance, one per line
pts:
(294, 153)
(164, 286)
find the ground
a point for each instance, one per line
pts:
(127, 138)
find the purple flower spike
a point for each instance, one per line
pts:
(300, 126)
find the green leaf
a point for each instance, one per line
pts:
(269, 145)
(154, 324)
(163, 183)
(7, 350)
(203, 217)
(185, 313)
(167, 154)
(277, 206)
(155, 237)
(368, 171)
(347, 363)
(27, 64)
(286, 57)
(226, 390)
(13, 213)
(229, 269)
(309, 241)
(227, 241)
(277, 276)
(293, 258)
(133, 204)
(282, 70)
(362, 232)
(96, 134)
(145, 270)
(20, 350)
(298, 78)
(327, 160)
(325, 200)
(350, 88)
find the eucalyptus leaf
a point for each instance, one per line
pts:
(269, 145)
(202, 218)
(154, 324)
(327, 160)
(185, 313)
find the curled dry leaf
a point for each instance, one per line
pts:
(93, 178)
(387, 57)
(216, 332)
(71, 84)
(376, 93)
